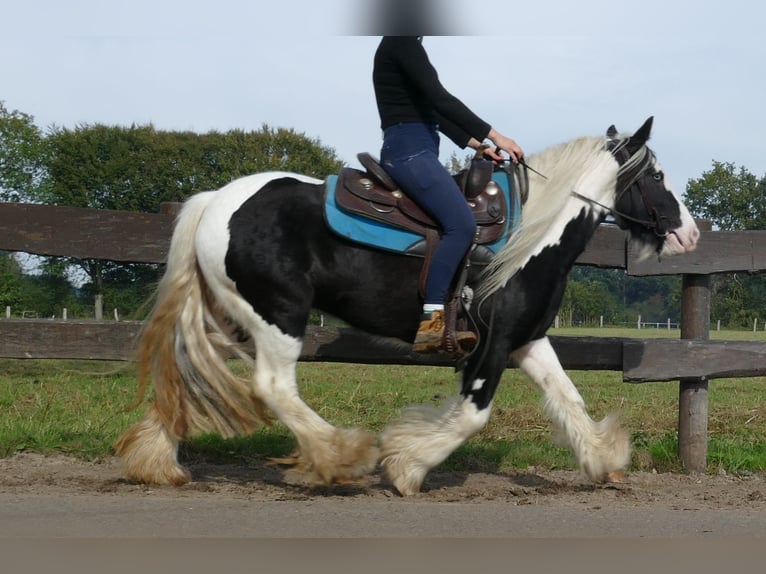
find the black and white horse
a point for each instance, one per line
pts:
(256, 255)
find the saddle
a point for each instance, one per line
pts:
(375, 195)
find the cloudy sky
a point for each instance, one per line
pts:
(541, 72)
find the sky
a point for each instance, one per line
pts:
(541, 72)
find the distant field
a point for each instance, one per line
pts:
(651, 333)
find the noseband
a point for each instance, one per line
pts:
(631, 169)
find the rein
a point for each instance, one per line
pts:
(521, 178)
(643, 222)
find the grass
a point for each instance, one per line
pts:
(653, 333)
(79, 408)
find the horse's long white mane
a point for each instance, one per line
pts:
(582, 165)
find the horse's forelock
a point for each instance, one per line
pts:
(634, 166)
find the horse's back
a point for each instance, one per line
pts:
(241, 194)
(265, 238)
(228, 199)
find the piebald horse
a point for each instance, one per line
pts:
(255, 257)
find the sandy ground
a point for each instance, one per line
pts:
(31, 474)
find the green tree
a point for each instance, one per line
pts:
(585, 302)
(21, 156)
(455, 163)
(47, 294)
(137, 168)
(11, 281)
(624, 297)
(734, 200)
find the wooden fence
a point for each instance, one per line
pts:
(144, 238)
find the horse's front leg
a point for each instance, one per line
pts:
(425, 436)
(600, 448)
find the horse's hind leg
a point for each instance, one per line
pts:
(148, 452)
(600, 448)
(325, 454)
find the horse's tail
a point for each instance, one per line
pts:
(183, 349)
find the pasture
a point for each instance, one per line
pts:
(79, 408)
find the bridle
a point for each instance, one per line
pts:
(632, 168)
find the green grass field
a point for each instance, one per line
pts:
(652, 333)
(79, 408)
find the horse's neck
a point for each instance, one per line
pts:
(582, 166)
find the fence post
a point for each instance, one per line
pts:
(99, 307)
(693, 393)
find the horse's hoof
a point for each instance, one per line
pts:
(407, 481)
(616, 477)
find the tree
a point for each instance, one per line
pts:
(137, 168)
(11, 281)
(456, 163)
(21, 156)
(733, 199)
(619, 298)
(47, 294)
(585, 302)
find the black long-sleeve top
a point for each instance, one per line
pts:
(407, 89)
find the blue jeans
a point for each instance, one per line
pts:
(410, 155)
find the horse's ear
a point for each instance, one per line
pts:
(644, 131)
(611, 132)
(641, 136)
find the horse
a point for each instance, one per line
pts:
(252, 259)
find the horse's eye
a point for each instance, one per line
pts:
(659, 176)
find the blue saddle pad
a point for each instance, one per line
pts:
(383, 236)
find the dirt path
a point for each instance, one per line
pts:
(58, 475)
(56, 511)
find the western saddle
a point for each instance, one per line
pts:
(375, 195)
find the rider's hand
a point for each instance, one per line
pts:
(506, 144)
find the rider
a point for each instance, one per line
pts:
(413, 107)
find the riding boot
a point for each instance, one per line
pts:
(430, 335)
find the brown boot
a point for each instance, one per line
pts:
(430, 335)
(430, 332)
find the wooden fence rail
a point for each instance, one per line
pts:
(144, 238)
(640, 360)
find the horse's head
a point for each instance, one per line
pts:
(646, 206)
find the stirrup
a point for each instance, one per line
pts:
(466, 341)
(432, 337)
